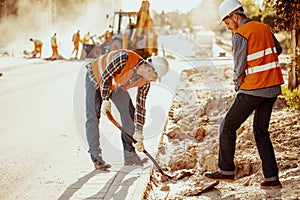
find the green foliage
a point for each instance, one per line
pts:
(295, 60)
(292, 97)
(251, 8)
(287, 13)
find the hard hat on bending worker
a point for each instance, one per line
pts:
(229, 6)
(160, 65)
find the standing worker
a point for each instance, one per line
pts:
(86, 40)
(108, 78)
(88, 44)
(257, 79)
(37, 47)
(54, 47)
(76, 40)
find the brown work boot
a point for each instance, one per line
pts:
(271, 184)
(135, 160)
(219, 176)
(101, 165)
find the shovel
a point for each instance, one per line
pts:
(129, 137)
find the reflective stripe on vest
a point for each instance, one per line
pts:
(261, 53)
(261, 68)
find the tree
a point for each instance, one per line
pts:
(251, 8)
(288, 19)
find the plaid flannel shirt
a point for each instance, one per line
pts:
(114, 67)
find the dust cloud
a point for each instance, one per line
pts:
(200, 16)
(41, 19)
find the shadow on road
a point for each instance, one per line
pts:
(112, 185)
(76, 186)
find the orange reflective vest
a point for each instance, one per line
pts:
(120, 79)
(262, 68)
(76, 38)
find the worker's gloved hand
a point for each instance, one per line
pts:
(139, 146)
(106, 106)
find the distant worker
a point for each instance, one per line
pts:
(54, 47)
(87, 44)
(86, 39)
(257, 78)
(37, 47)
(107, 80)
(76, 40)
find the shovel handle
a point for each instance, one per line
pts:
(111, 118)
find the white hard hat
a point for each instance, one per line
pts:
(227, 7)
(160, 65)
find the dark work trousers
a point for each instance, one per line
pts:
(123, 102)
(240, 110)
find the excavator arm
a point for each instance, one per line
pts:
(144, 31)
(130, 30)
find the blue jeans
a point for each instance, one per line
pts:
(123, 102)
(240, 110)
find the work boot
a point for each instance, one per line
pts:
(219, 176)
(135, 160)
(100, 164)
(271, 184)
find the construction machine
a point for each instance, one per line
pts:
(129, 30)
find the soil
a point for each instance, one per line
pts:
(190, 143)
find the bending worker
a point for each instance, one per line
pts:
(257, 78)
(108, 79)
(37, 47)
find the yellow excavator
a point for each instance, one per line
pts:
(130, 30)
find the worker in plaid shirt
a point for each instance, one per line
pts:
(108, 78)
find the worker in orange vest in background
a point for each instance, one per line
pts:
(54, 47)
(76, 40)
(37, 47)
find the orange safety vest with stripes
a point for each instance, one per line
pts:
(262, 68)
(121, 78)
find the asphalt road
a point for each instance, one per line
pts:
(38, 142)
